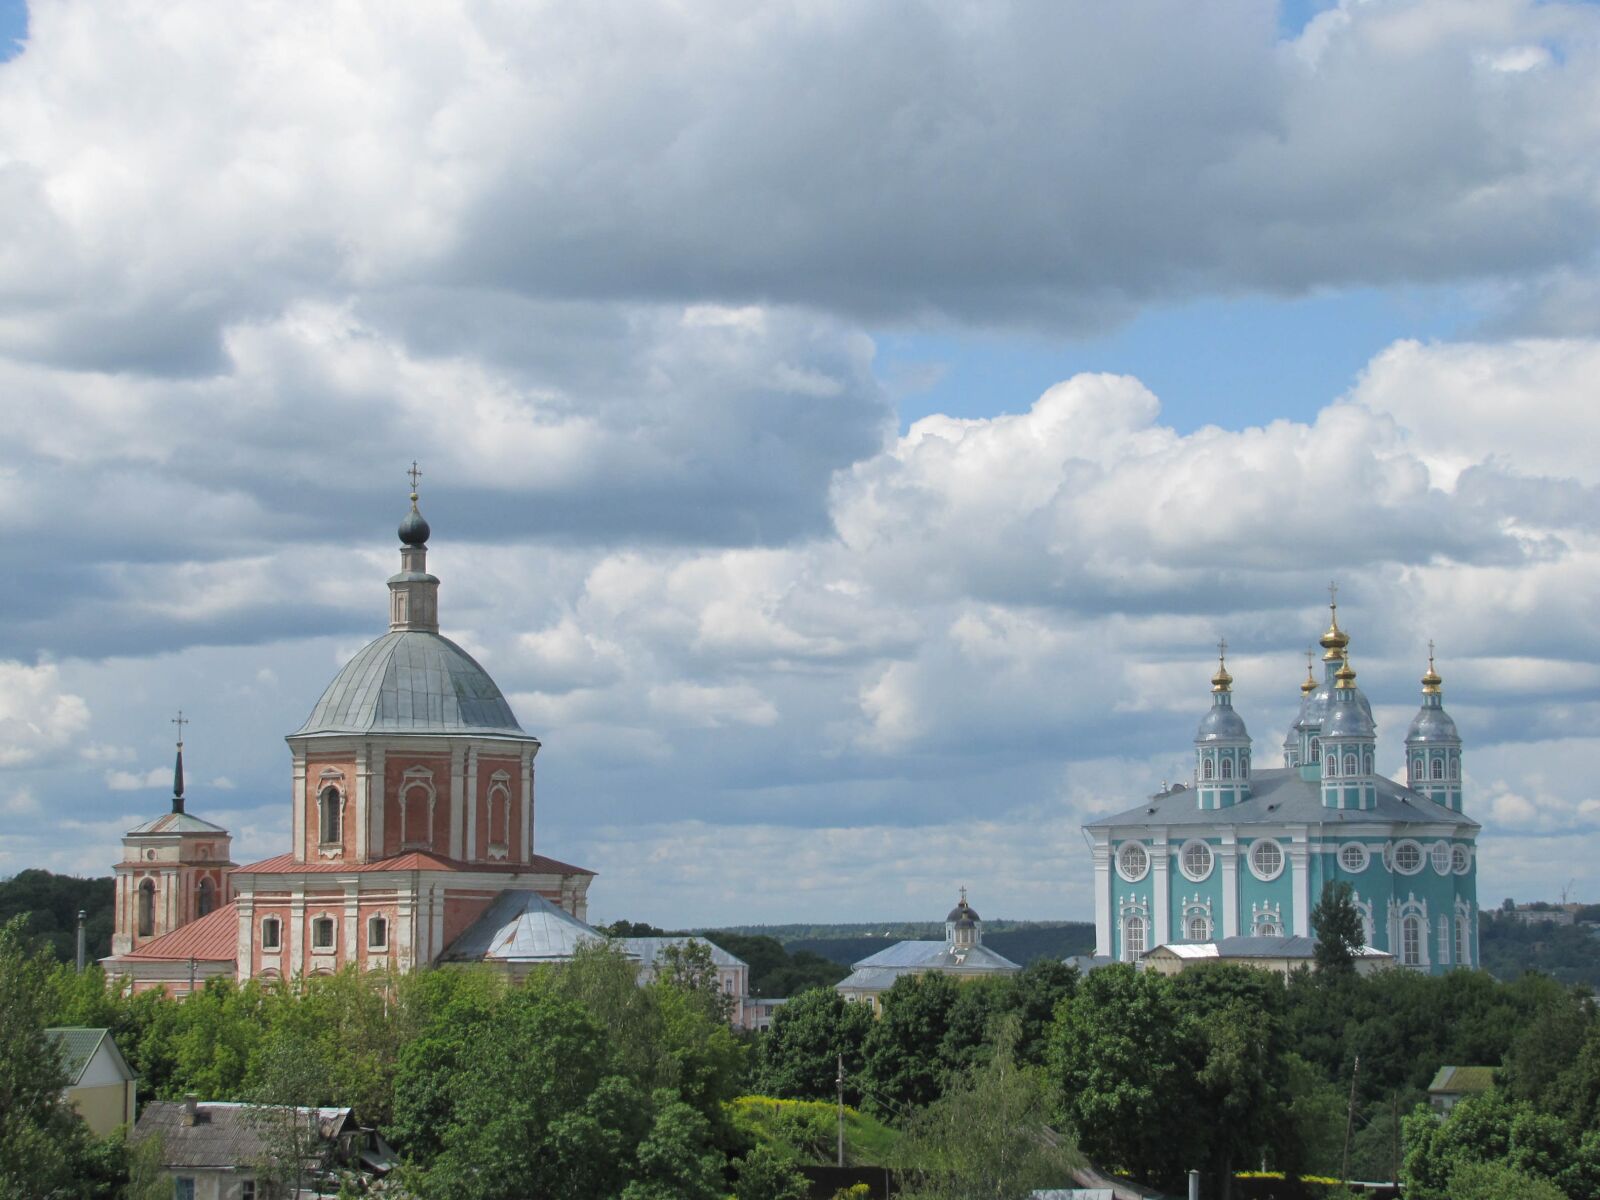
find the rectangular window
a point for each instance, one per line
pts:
(322, 933)
(183, 1189)
(269, 933)
(377, 934)
(247, 1190)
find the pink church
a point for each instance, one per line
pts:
(413, 811)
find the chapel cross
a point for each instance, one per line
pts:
(180, 721)
(963, 896)
(1430, 654)
(1333, 594)
(1222, 650)
(415, 474)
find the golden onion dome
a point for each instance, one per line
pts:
(1346, 675)
(1430, 681)
(1309, 683)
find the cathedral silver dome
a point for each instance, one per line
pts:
(1221, 724)
(412, 681)
(1432, 725)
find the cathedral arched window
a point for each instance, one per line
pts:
(1455, 768)
(499, 817)
(1205, 769)
(416, 808)
(1368, 757)
(1463, 942)
(1199, 929)
(1417, 771)
(147, 908)
(205, 898)
(1411, 935)
(1333, 765)
(1350, 767)
(1132, 938)
(1438, 768)
(330, 810)
(1316, 750)
(1227, 768)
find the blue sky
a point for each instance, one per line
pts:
(845, 436)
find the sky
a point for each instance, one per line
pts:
(846, 429)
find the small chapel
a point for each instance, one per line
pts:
(412, 803)
(1243, 850)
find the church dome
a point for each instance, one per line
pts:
(1432, 725)
(412, 681)
(963, 914)
(1351, 716)
(1221, 723)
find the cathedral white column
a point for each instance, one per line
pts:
(1102, 896)
(244, 955)
(458, 788)
(294, 936)
(523, 851)
(297, 809)
(352, 918)
(1160, 866)
(472, 803)
(1300, 880)
(363, 800)
(1228, 853)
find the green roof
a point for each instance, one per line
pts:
(78, 1045)
(1462, 1079)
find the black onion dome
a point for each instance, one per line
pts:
(414, 529)
(963, 912)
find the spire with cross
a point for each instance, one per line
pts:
(177, 771)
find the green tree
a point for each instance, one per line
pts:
(1117, 1062)
(988, 1136)
(1033, 998)
(1336, 922)
(799, 1055)
(1490, 1128)
(1496, 1181)
(676, 1161)
(765, 1174)
(901, 1052)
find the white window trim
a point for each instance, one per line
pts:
(1461, 858)
(383, 945)
(1434, 852)
(1183, 860)
(277, 943)
(1422, 857)
(1255, 870)
(333, 936)
(1366, 858)
(1121, 866)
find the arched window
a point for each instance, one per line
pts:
(205, 898)
(1316, 750)
(1455, 768)
(1369, 762)
(1438, 768)
(1132, 938)
(1463, 942)
(1332, 765)
(1244, 766)
(1199, 929)
(1350, 767)
(271, 934)
(1205, 769)
(499, 817)
(377, 933)
(330, 811)
(322, 933)
(1417, 771)
(147, 908)
(1268, 929)
(1411, 941)
(1227, 768)
(416, 814)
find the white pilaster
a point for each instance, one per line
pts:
(1102, 896)
(1160, 866)
(294, 935)
(352, 917)
(1300, 881)
(298, 808)
(363, 798)
(1228, 853)
(458, 787)
(244, 953)
(522, 851)
(472, 803)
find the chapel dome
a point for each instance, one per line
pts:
(412, 681)
(1432, 725)
(963, 913)
(1221, 723)
(1351, 718)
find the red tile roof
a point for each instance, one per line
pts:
(213, 938)
(415, 860)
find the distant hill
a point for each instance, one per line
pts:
(1020, 941)
(51, 904)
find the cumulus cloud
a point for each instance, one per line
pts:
(37, 717)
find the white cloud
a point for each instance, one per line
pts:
(134, 781)
(37, 718)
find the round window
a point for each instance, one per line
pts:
(1460, 859)
(1266, 859)
(1195, 860)
(1353, 857)
(1440, 853)
(1407, 857)
(1132, 861)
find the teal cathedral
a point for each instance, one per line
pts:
(1244, 850)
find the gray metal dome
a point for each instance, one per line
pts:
(1432, 725)
(1350, 717)
(412, 681)
(1221, 724)
(1314, 712)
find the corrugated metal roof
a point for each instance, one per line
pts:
(227, 1135)
(1459, 1080)
(171, 822)
(413, 860)
(1278, 795)
(941, 956)
(521, 926)
(412, 681)
(212, 938)
(78, 1045)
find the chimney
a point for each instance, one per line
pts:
(191, 1104)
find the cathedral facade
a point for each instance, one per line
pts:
(1245, 850)
(412, 808)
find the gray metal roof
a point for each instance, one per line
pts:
(648, 949)
(1279, 796)
(1350, 716)
(940, 956)
(412, 681)
(521, 926)
(171, 822)
(1432, 725)
(1251, 946)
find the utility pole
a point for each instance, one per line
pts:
(1394, 1106)
(840, 1082)
(191, 974)
(83, 953)
(1350, 1120)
